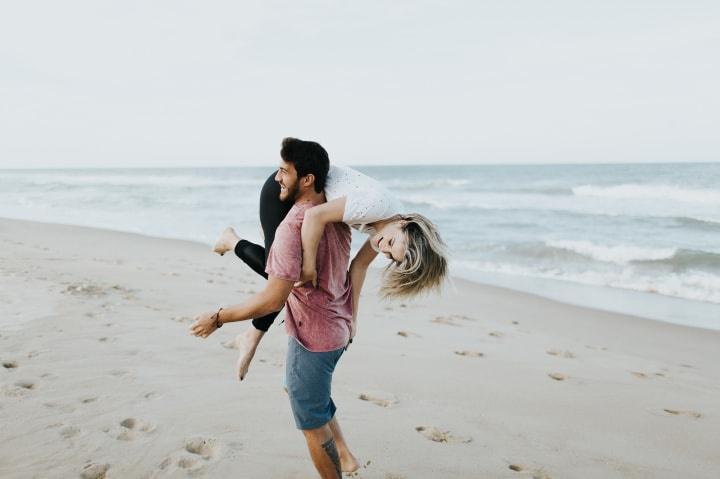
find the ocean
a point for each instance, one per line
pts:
(642, 239)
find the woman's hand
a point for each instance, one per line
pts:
(204, 325)
(310, 275)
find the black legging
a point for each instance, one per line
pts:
(272, 212)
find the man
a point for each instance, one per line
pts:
(318, 321)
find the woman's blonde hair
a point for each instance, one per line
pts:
(424, 266)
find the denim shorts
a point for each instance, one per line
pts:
(308, 378)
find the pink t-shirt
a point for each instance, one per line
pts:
(319, 318)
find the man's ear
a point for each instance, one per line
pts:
(308, 180)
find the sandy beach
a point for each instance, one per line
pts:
(101, 377)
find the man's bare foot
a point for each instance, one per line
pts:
(226, 242)
(247, 343)
(348, 463)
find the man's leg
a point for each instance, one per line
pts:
(348, 463)
(323, 451)
(308, 380)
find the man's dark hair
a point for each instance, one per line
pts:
(307, 157)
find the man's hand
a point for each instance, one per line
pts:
(307, 276)
(353, 331)
(204, 325)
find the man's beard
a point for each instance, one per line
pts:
(292, 193)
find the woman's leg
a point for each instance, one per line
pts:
(272, 212)
(253, 255)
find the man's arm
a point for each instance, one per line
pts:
(267, 301)
(311, 232)
(272, 298)
(358, 269)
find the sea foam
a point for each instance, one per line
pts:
(650, 192)
(618, 254)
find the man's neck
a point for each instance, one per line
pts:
(312, 197)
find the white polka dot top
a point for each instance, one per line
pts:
(366, 199)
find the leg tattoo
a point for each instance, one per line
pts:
(332, 451)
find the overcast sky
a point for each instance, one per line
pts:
(220, 83)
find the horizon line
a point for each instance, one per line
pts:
(361, 166)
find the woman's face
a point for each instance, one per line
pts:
(390, 241)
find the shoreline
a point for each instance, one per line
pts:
(101, 377)
(626, 302)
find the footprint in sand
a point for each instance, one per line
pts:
(452, 320)
(182, 319)
(536, 473)
(165, 463)
(434, 434)
(63, 408)
(232, 343)
(206, 448)
(94, 471)
(25, 384)
(471, 354)
(88, 400)
(131, 428)
(408, 334)
(69, 431)
(496, 334)
(387, 401)
(187, 462)
(675, 412)
(558, 376)
(561, 353)
(445, 320)
(194, 453)
(638, 374)
(10, 364)
(84, 289)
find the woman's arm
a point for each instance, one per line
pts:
(311, 232)
(358, 269)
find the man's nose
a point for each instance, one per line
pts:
(277, 176)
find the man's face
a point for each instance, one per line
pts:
(289, 183)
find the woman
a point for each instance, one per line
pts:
(410, 241)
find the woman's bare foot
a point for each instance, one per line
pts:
(226, 242)
(247, 343)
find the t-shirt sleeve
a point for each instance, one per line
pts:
(285, 258)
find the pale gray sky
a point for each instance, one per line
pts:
(220, 83)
